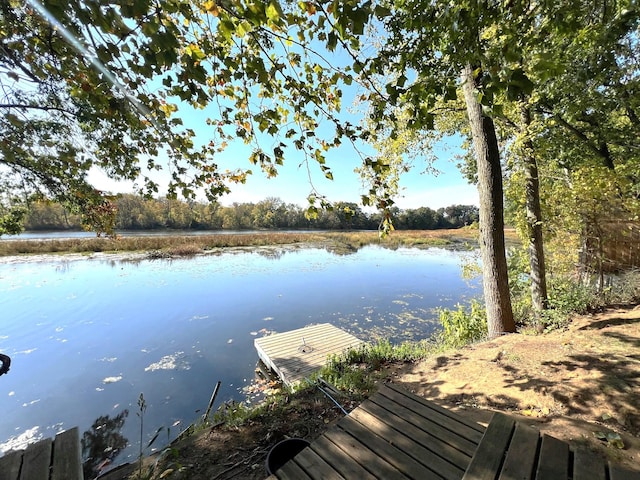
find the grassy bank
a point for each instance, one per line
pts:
(180, 245)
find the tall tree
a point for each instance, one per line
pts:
(492, 245)
(440, 46)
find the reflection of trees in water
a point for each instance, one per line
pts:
(63, 267)
(102, 443)
(272, 253)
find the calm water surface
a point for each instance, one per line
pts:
(88, 336)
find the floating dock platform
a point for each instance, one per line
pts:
(296, 354)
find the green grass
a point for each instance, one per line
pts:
(357, 370)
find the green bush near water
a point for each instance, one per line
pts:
(463, 325)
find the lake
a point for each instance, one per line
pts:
(87, 336)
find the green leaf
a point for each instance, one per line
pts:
(332, 41)
(381, 11)
(273, 12)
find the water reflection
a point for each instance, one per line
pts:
(102, 443)
(63, 267)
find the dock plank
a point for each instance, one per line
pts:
(363, 455)
(443, 442)
(36, 460)
(447, 422)
(438, 408)
(520, 461)
(403, 436)
(297, 354)
(291, 471)
(48, 459)
(397, 435)
(618, 473)
(553, 463)
(587, 466)
(342, 462)
(10, 465)
(380, 443)
(315, 466)
(67, 457)
(488, 458)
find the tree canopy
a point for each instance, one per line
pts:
(97, 84)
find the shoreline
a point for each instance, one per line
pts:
(179, 246)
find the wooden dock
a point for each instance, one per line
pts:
(397, 435)
(296, 354)
(392, 435)
(48, 459)
(513, 450)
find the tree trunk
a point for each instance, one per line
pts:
(535, 245)
(494, 262)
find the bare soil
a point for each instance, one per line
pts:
(576, 385)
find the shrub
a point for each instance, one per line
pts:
(462, 326)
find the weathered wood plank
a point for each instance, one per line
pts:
(315, 466)
(405, 436)
(442, 442)
(380, 443)
(553, 463)
(363, 455)
(437, 408)
(426, 411)
(616, 472)
(282, 351)
(342, 462)
(313, 333)
(490, 453)
(10, 465)
(321, 348)
(280, 342)
(588, 466)
(430, 427)
(520, 461)
(291, 471)
(67, 457)
(36, 460)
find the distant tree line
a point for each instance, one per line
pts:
(135, 212)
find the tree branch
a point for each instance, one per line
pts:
(47, 108)
(601, 151)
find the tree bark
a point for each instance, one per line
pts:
(494, 262)
(535, 244)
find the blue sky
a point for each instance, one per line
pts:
(295, 181)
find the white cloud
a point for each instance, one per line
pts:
(21, 441)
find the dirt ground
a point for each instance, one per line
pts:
(576, 385)
(581, 385)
